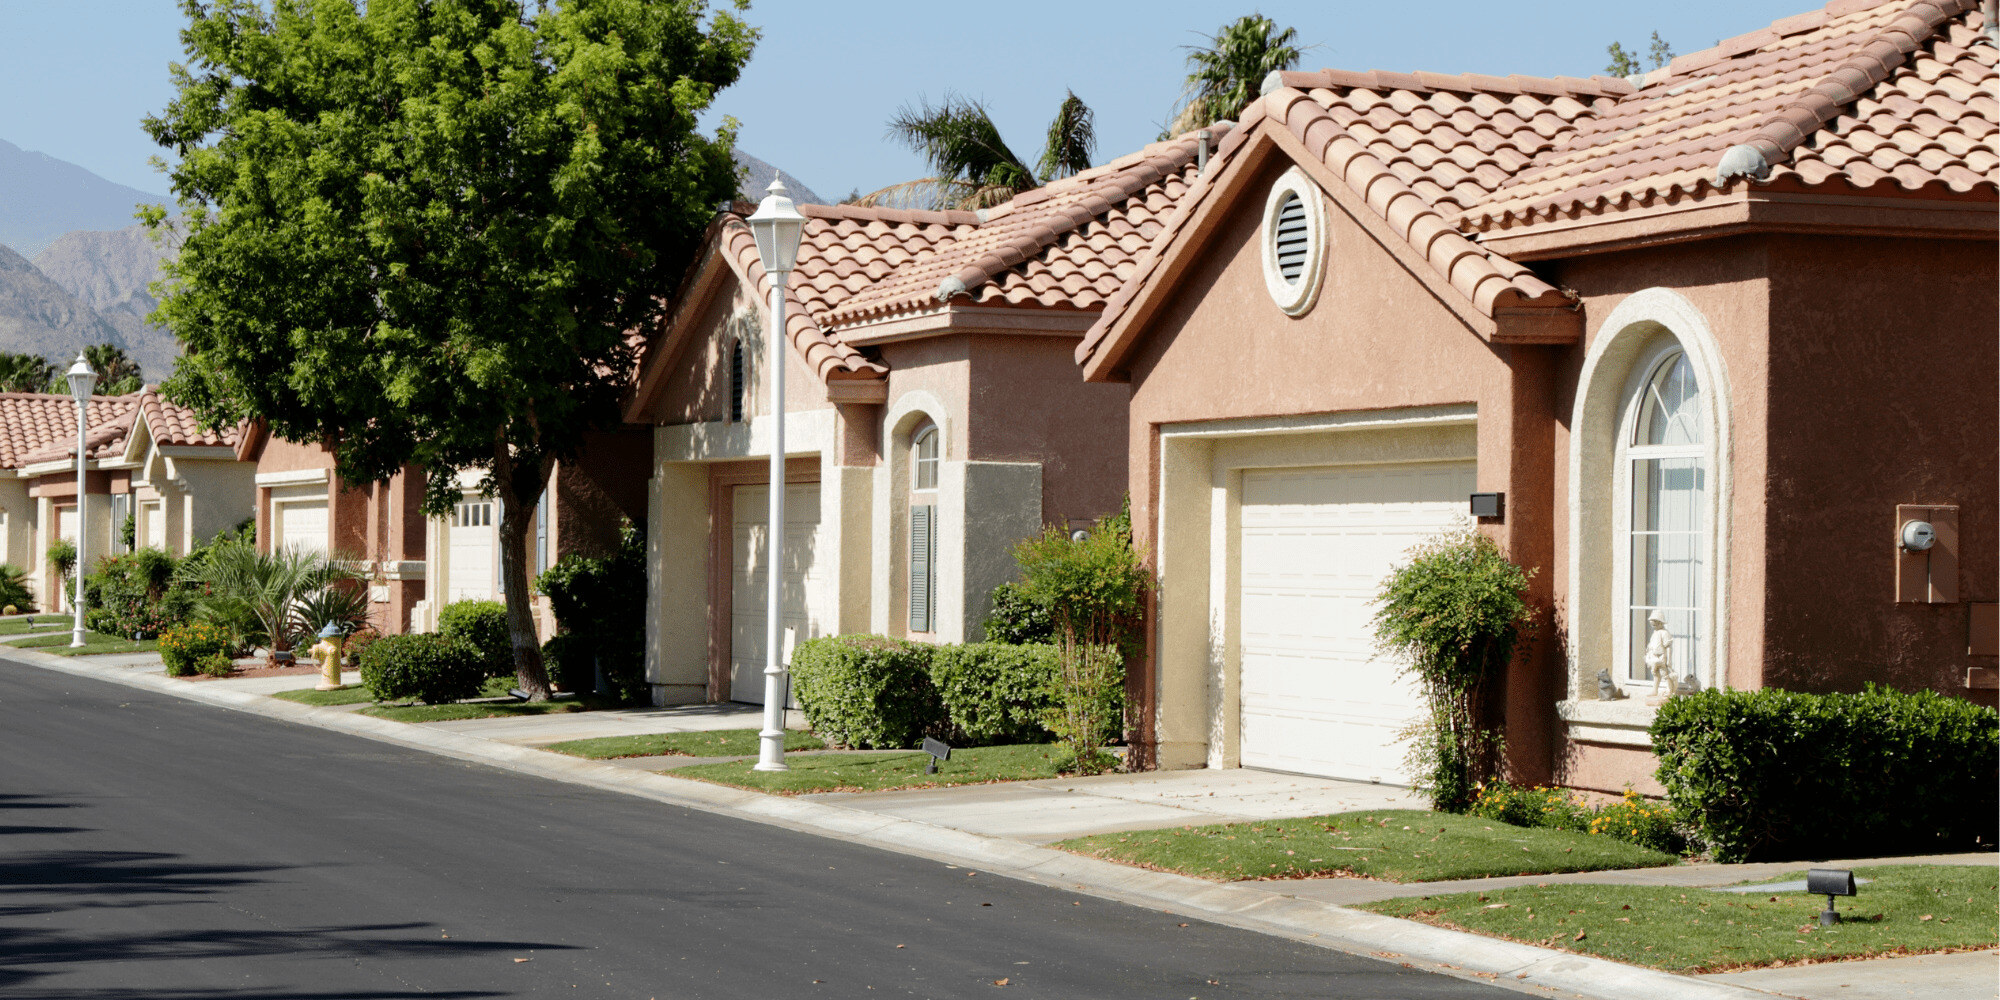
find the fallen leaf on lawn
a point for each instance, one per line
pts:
(899, 946)
(524, 960)
(1924, 917)
(1002, 981)
(1498, 906)
(1580, 935)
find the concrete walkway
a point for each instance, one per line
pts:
(999, 828)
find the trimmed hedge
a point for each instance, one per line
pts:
(1782, 775)
(431, 667)
(484, 625)
(995, 693)
(869, 692)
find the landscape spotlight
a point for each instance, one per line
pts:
(1830, 882)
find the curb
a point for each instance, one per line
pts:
(1356, 932)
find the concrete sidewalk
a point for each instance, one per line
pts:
(998, 828)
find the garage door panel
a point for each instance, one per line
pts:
(799, 596)
(302, 525)
(1314, 548)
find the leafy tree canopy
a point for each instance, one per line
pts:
(418, 231)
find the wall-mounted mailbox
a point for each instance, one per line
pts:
(1489, 505)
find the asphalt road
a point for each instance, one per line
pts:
(151, 847)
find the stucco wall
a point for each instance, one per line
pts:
(696, 386)
(603, 485)
(1026, 402)
(1883, 390)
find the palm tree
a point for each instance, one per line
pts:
(117, 373)
(1229, 71)
(25, 372)
(971, 165)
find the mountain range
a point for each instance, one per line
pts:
(91, 267)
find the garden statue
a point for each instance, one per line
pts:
(1660, 656)
(328, 651)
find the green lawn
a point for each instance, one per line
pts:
(94, 642)
(880, 771)
(18, 625)
(715, 743)
(1399, 845)
(353, 694)
(477, 710)
(1908, 909)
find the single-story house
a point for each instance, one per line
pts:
(933, 416)
(1705, 344)
(187, 484)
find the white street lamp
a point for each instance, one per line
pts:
(777, 227)
(81, 381)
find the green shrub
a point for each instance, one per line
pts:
(1094, 586)
(215, 665)
(484, 625)
(1540, 806)
(184, 647)
(429, 667)
(600, 601)
(1017, 619)
(869, 692)
(131, 594)
(995, 693)
(14, 589)
(1640, 821)
(1782, 775)
(1453, 614)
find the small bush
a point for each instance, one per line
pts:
(1017, 619)
(1640, 821)
(869, 692)
(600, 602)
(1088, 708)
(14, 589)
(1540, 806)
(567, 657)
(358, 643)
(215, 665)
(484, 625)
(995, 693)
(184, 647)
(429, 667)
(1779, 775)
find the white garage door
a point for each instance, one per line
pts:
(302, 525)
(473, 540)
(747, 595)
(1316, 545)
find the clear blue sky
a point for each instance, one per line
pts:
(79, 74)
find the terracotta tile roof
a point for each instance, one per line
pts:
(41, 427)
(171, 424)
(1067, 245)
(1879, 97)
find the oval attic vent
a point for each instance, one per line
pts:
(1294, 238)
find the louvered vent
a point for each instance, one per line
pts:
(736, 383)
(1294, 238)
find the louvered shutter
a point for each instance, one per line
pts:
(923, 552)
(542, 534)
(736, 382)
(1293, 239)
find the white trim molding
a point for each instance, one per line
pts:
(1636, 333)
(293, 477)
(807, 432)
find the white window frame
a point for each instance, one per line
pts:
(919, 463)
(1638, 381)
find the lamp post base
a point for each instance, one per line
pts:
(76, 639)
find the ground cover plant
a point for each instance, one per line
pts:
(42, 623)
(1907, 909)
(1398, 845)
(1630, 818)
(713, 743)
(876, 772)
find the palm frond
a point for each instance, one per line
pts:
(1225, 75)
(960, 143)
(1071, 141)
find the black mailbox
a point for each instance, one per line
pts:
(1829, 882)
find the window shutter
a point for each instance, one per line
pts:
(499, 560)
(1292, 238)
(923, 552)
(542, 534)
(736, 382)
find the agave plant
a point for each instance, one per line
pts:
(257, 594)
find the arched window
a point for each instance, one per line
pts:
(924, 458)
(1664, 447)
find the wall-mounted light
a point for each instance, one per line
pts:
(1489, 504)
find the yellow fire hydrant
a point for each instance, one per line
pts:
(328, 651)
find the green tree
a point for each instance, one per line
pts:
(1226, 73)
(117, 373)
(971, 165)
(418, 231)
(25, 372)
(1626, 63)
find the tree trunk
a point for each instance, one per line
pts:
(517, 519)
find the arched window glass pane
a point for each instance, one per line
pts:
(1670, 413)
(924, 454)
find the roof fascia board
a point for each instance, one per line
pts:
(1715, 216)
(291, 477)
(218, 452)
(679, 328)
(139, 438)
(1208, 207)
(958, 319)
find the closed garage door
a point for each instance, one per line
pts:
(473, 540)
(748, 594)
(302, 525)
(1316, 545)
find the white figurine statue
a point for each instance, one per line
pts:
(1660, 655)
